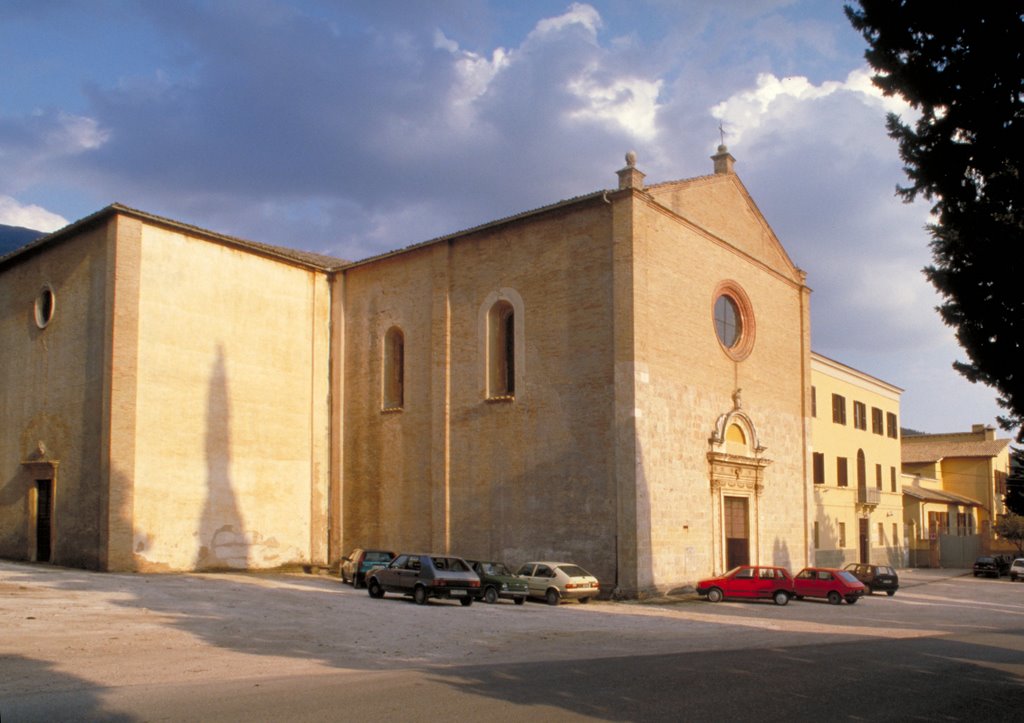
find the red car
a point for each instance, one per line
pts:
(829, 583)
(753, 581)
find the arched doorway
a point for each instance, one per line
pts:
(736, 471)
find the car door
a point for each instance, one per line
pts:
(805, 583)
(766, 582)
(526, 572)
(743, 583)
(541, 579)
(410, 574)
(389, 576)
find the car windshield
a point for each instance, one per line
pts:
(373, 556)
(984, 560)
(574, 571)
(882, 570)
(846, 576)
(495, 568)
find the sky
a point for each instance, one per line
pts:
(351, 128)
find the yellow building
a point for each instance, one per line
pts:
(619, 379)
(953, 487)
(858, 501)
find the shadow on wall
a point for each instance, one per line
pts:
(781, 556)
(222, 538)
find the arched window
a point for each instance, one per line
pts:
(394, 369)
(501, 350)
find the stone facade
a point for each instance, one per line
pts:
(552, 385)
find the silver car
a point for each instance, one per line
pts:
(1017, 569)
(424, 576)
(557, 581)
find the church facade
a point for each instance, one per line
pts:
(621, 379)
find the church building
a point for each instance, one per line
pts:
(621, 380)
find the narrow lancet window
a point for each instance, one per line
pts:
(394, 369)
(502, 350)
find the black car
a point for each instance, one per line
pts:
(359, 562)
(991, 566)
(876, 578)
(424, 576)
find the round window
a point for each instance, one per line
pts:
(728, 321)
(734, 320)
(44, 307)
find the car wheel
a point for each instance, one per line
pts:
(375, 590)
(867, 589)
(781, 597)
(834, 598)
(890, 593)
(519, 600)
(490, 596)
(584, 600)
(355, 582)
(466, 601)
(552, 596)
(851, 600)
(419, 595)
(715, 595)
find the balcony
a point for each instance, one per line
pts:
(869, 496)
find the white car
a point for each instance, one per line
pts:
(1017, 570)
(555, 581)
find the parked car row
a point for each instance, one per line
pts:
(423, 576)
(999, 565)
(775, 583)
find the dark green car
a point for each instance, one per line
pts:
(497, 581)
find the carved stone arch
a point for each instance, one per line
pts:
(721, 437)
(736, 465)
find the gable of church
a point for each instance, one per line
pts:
(720, 206)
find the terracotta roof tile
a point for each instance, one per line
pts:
(922, 449)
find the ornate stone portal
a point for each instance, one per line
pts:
(736, 465)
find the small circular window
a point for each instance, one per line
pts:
(734, 320)
(44, 306)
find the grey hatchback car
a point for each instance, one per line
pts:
(423, 576)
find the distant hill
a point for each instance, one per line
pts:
(13, 237)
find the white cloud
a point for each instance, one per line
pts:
(774, 99)
(630, 103)
(35, 217)
(578, 14)
(74, 134)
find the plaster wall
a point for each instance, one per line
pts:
(52, 392)
(230, 466)
(836, 505)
